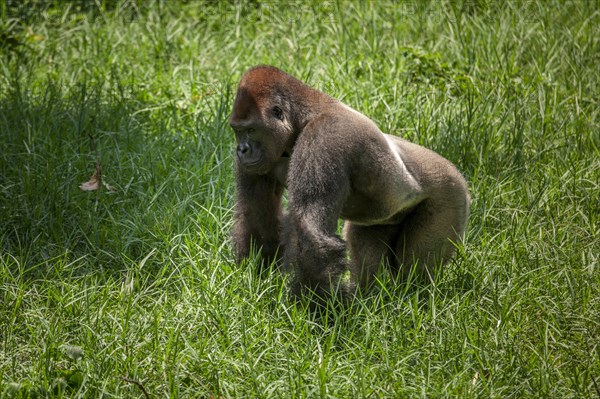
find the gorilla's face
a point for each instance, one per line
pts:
(262, 130)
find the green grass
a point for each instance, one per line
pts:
(97, 288)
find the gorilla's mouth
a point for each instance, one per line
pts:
(252, 165)
(256, 167)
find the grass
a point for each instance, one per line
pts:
(108, 294)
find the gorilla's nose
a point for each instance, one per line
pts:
(244, 149)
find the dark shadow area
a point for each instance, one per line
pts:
(160, 168)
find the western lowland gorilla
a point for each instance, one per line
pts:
(403, 204)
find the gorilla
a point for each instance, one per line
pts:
(403, 205)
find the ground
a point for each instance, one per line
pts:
(132, 287)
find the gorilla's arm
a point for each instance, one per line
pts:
(318, 185)
(257, 215)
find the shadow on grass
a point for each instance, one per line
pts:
(158, 158)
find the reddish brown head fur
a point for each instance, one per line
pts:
(264, 85)
(254, 91)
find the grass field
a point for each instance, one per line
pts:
(113, 293)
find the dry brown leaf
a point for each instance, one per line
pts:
(95, 181)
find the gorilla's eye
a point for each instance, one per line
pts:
(278, 113)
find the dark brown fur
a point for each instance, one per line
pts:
(403, 204)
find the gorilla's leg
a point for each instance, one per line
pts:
(368, 247)
(427, 237)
